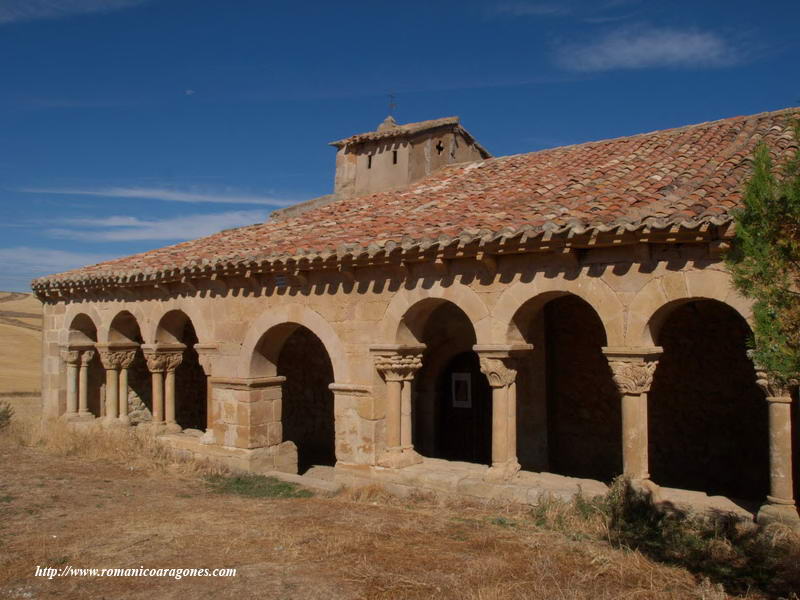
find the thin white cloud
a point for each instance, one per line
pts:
(21, 264)
(640, 48)
(12, 11)
(164, 194)
(125, 228)
(532, 9)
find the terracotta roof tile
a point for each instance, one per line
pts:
(689, 176)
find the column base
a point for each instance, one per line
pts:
(785, 514)
(111, 422)
(399, 457)
(173, 428)
(502, 471)
(125, 421)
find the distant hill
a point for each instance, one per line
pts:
(20, 351)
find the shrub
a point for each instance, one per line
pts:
(6, 412)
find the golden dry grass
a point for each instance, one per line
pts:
(20, 351)
(115, 498)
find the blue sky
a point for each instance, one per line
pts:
(127, 125)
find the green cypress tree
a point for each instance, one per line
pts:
(765, 260)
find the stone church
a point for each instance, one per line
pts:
(450, 320)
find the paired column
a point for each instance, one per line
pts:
(77, 359)
(116, 359)
(632, 369)
(72, 359)
(780, 505)
(83, 385)
(162, 360)
(500, 363)
(398, 364)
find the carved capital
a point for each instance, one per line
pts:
(160, 361)
(500, 371)
(116, 359)
(397, 363)
(633, 377)
(399, 366)
(771, 387)
(86, 357)
(633, 367)
(71, 357)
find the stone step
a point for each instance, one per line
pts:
(319, 486)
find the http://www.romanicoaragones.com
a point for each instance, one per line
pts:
(174, 573)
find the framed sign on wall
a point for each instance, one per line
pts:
(461, 389)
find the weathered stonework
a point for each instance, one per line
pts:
(558, 332)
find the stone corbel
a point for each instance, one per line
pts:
(206, 354)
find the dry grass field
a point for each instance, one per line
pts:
(115, 499)
(20, 351)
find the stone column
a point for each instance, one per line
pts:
(397, 364)
(499, 363)
(173, 361)
(156, 364)
(780, 505)
(112, 361)
(632, 369)
(72, 359)
(83, 385)
(126, 361)
(162, 360)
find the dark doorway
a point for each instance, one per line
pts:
(707, 417)
(465, 411)
(584, 421)
(307, 406)
(191, 402)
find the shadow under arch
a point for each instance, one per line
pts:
(82, 334)
(293, 351)
(191, 382)
(568, 408)
(707, 418)
(260, 359)
(409, 306)
(451, 399)
(522, 300)
(124, 329)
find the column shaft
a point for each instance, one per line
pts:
(158, 397)
(511, 431)
(780, 451)
(112, 393)
(83, 391)
(500, 421)
(393, 412)
(634, 436)
(405, 415)
(123, 394)
(72, 389)
(169, 400)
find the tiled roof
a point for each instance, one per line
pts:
(684, 177)
(398, 130)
